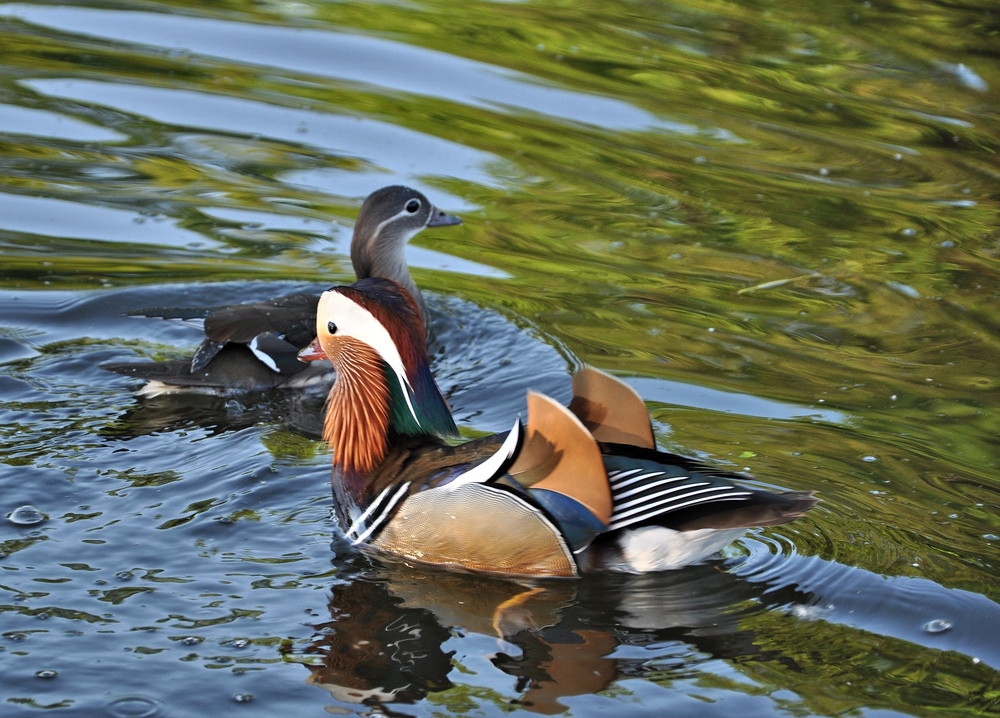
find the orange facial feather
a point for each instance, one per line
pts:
(357, 417)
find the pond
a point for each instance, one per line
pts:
(777, 221)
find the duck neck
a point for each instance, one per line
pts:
(386, 257)
(368, 408)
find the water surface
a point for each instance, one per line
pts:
(777, 221)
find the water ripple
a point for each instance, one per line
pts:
(350, 58)
(898, 606)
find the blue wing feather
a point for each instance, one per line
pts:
(577, 524)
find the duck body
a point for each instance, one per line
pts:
(254, 346)
(580, 488)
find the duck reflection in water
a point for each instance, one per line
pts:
(394, 633)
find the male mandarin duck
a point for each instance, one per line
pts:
(254, 346)
(581, 488)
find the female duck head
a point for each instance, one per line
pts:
(373, 334)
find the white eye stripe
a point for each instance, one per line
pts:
(355, 321)
(401, 213)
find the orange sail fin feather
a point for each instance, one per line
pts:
(611, 409)
(568, 454)
(581, 488)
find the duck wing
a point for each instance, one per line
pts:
(246, 346)
(234, 367)
(650, 487)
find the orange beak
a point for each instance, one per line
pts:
(313, 352)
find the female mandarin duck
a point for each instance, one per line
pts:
(581, 488)
(254, 346)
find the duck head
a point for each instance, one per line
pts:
(389, 218)
(373, 334)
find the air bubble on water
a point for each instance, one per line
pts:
(46, 674)
(191, 640)
(240, 643)
(26, 516)
(810, 612)
(243, 697)
(869, 459)
(938, 625)
(133, 707)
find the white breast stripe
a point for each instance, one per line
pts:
(741, 495)
(623, 484)
(481, 473)
(646, 487)
(384, 515)
(359, 522)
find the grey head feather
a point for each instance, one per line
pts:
(389, 218)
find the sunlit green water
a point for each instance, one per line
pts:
(778, 221)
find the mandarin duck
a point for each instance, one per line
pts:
(254, 346)
(580, 488)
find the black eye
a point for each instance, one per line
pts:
(331, 327)
(413, 205)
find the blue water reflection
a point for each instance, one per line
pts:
(349, 58)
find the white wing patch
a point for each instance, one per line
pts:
(655, 548)
(485, 471)
(264, 357)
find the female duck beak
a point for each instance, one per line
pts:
(313, 352)
(442, 219)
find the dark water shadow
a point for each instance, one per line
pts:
(394, 630)
(385, 640)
